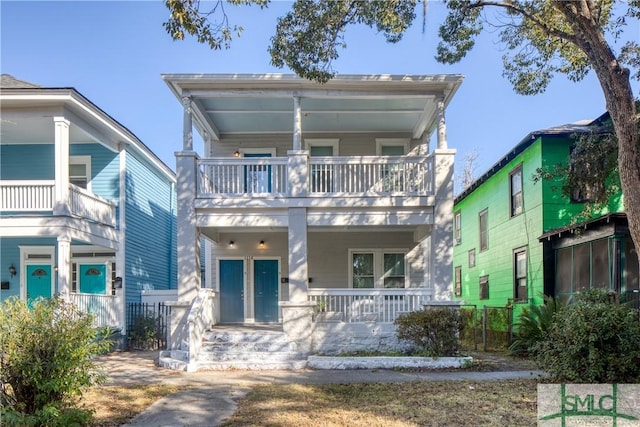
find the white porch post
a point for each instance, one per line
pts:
(297, 123)
(61, 155)
(442, 236)
(188, 240)
(298, 268)
(64, 266)
(442, 127)
(187, 124)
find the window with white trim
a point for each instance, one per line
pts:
(378, 268)
(457, 227)
(80, 171)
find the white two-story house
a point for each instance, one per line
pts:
(87, 211)
(319, 204)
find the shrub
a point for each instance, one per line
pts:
(594, 340)
(144, 331)
(434, 332)
(532, 326)
(46, 362)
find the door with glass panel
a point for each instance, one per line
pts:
(257, 178)
(321, 174)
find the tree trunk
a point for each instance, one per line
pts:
(614, 79)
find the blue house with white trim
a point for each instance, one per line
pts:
(87, 210)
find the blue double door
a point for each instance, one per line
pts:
(263, 275)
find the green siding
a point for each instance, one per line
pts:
(505, 233)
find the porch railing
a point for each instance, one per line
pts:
(201, 317)
(90, 206)
(38, 196)
(371, 174)
(233, 176)
(354, 175)
(103, 307)
(26, 195)
(367, 305)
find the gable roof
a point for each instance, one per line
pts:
(566, 130)
(7, 81)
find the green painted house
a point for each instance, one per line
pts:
(514, 239)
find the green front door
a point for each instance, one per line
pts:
(231, 290)
(38, 282)
(265, 286)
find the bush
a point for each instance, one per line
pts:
(434, 332)
(532, 326)
(46, 362)
(144, 332)
(594, 340)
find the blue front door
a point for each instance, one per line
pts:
(38, 282)
(265, 286)
(231, 290)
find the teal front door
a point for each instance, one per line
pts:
(265, 287)
(231, 290)
(93, 279)
(38, 282)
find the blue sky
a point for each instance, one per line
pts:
(114, 52)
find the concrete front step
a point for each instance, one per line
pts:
(214, 336)
(256, 357)
(252, 365)
(248, 347)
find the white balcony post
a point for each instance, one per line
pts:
(64, 266)
(61, 155)
(442, 127)
(188, 235)
(298, 267)
(187, 124)
(442, 235)
(297, 123)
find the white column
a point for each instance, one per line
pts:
(188, 235)
(64, 266)
(298, 172)
(442, 127)
(187, 124)
(121, 253)
(298, 268)
(297, 123)
(442, 236)
(61, 156)
(208, 145)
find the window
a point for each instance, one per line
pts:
(484, 287)
(80, 171)
(458, 279)
(520, 275)
(457, 223)
(515, 189)
(472, 258)
(483, 219)
(392, 146)
(378, 269)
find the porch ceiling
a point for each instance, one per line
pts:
(263, 104)
(19, 129)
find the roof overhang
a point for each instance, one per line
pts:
(227, 104)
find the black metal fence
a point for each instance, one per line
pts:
(147, 325)
(487, 328)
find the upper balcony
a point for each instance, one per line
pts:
(326, 177)
(38, 197)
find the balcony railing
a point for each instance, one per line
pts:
(39, 196)
(232, 176)
(102, 307)
(87, 205)
(367, 305)
(17, 196)
(371, 175)
(327, 176)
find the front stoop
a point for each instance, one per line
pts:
(224, 350)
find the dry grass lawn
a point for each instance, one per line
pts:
(489, 403)
(115, 405)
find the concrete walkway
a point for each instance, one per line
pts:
(214, 394)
